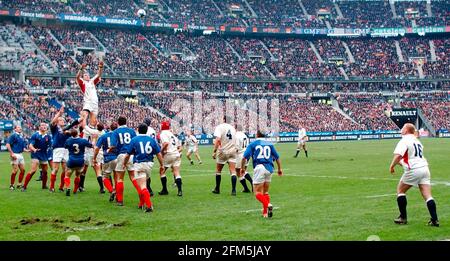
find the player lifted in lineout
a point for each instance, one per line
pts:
(90, 97)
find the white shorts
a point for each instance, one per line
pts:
(301, 142)
(223, 158)
(171, 160)
(142, 169)
(100, 158)
(415, 177)
(60, 155)
(91, 107)
(120, 160)
(239, 158)
(89, 157)
(192, 149)
(19, 159)
(261, 175)
(109, 167)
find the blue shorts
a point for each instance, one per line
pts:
(75, 163)
(50, 155)
(39, 156)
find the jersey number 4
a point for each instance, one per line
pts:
(229, 136)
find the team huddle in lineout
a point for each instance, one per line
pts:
(82, 143)
(85, 143)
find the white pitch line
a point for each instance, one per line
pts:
(88, 228)
(254, 210)
(380, 196)
(213, 172)
(440, 183)
(209, 173)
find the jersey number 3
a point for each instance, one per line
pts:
(76, 148)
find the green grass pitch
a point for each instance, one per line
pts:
(343, 191)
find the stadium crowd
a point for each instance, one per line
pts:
(361, 14)
(368, 110)
(188, 56)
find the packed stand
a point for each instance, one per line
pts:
(411, 11)
(42, 6)
(19, 52)
(132, 53)
(195, 13)
(313, 116)
(415, 48)
(295, 58)
(436, 108)
(214, 58)
(313, 7)
(330, 50)
(62, 59)
(368, 110)
(441, 67)
(377, 58)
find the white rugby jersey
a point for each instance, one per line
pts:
(191, 140)
(89, 90)
(167, 136)
(411, 150)
(301, 133)
(151, 132)
(227, 135)
(241, 141)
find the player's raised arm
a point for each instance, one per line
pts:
(58, 114)
(99, 73)
(79, 77)
(100, 68)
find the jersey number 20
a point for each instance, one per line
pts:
(264, 152)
